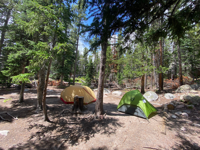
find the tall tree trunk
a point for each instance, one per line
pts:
(75, 63)
(180, 65)
(40, 88)
(4, 29)
(161, 74)
(45, 93)
(142, 85)
(99, 102)
(145, 80)
(21, 96)
(154, 70)
(142, 79)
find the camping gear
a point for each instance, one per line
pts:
(68, 94)
(134, 103)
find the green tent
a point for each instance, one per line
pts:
(134, 103)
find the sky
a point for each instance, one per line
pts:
(82, 43)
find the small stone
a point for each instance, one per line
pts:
(187, 111)
(1, 97)
(171, 106)
(174, 116)
(195, 146)
(184, 114)
(165, 107)
(183, 129)
(197, 125)
(26, 90)
(180, 106)
(4, 132)
(178, 113)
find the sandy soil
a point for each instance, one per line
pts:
(115, 132)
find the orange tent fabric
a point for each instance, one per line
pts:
(68, 94)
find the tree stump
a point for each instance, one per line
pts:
(78, 104)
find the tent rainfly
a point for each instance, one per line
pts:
(134, 103)
(68, 94)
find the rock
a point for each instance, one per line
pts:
(194, 92)
(165, 107)
(169, 96)
(195, 86)
(151, 96)
(190, 106)
(184, 114)
(106, 91)
(183, 88)
(117, 93)
(173, 116)
(183, 129)
(197, 125)
(171, 106)
(187, 111)
(195, 146)
(4, 132)
(180, 106)
(13, 93)
(193, 99)
(1, 97)
(178, 113)
(26, 90)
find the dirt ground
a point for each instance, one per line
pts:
(117, 131)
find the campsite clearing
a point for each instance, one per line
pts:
(116, 131)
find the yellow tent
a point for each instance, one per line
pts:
(68, 94)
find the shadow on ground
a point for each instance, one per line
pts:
(66, 129)
(186, 128)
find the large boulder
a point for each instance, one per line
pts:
(183, 88)
(117, 93)
(169, 96)
(195, 86)
(151, 96)
(105, 91)
(193, 99)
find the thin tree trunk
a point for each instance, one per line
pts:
(75, 63)
(4, 30)
(61, 79)
(152, 71)
(70, 76)
(40, 88)
(180, 65)
(161, 74)
(45, 92)
(99, 102)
